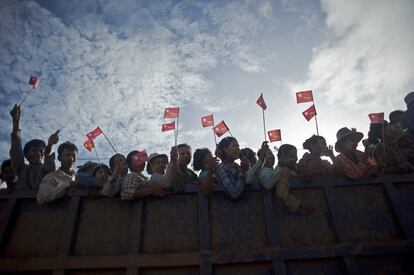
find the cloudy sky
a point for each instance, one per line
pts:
(117, 65)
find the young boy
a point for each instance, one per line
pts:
(119, 169)
(55, 184)
(30, 175)
(287, 157)
(184, 174)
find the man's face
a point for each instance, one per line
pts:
(184, 156)
(35, 155)
(68, 158)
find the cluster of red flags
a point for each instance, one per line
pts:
(376, 118)
(306, 96)
(89, 145)
(172, 112)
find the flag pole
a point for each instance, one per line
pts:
(230, 132)
(316, 123)
(99, 161)
(113, 148)
(316, 115)
(264, 125)
(215, 139)
(27, 95)
(176, 130)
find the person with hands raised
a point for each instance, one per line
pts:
(119, 169)
(36, 152)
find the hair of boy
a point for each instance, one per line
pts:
(100, 166)
(225, 143)
(34, 143)
(285, 149)
(67, 146)
(112, 161)
(198, 158)
(313, 140)
(6, 163)
(129, 157)
(247, 153)
(183, 145)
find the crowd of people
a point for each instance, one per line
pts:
(389, 149)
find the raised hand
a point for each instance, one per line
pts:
(54, 138)
(174, 154)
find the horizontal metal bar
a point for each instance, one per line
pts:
(196, 258)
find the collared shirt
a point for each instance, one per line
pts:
(132, 182)
(113, 186)
(54, 185)
(282, 189)
(135, 181)
(229, 178)
(310, 168)
(345, 166)
(29, 175)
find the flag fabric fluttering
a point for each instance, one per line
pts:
(260, 101)
(172, 112)
(168, 126)
(94, 133)
(304, 96)
(221, 128)
(207, 121)
(309, 113)
(89, 145)
(34, 81)
(376, 118)
(140, 157)
(274, 135)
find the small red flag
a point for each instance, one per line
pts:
(309, 113)
(168, 126)
(304, 96)
(140, 158)
(34, 81)
(89, 145)
(171, 112)
(376, 118)
(93, 134)
(260, 101)
(274, 135)
(221, 128)
(207, 121)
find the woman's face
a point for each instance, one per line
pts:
(159, 165)
(232, 152)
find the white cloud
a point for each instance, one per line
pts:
(367, 62)
(97, 69)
